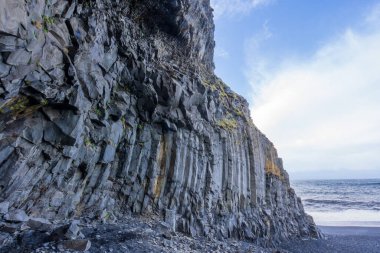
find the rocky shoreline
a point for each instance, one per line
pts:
(20, 233)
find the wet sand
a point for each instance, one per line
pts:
(339, 239)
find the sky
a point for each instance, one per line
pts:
(311, 73)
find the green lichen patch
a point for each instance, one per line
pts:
(47, 21)
(238, 111)
(227, 124)
(20, 107)
(216, 84)
(97, 110)
(88, 143)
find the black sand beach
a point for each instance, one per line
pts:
(339, 239)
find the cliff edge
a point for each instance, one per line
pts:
(111, 107)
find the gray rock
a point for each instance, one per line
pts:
(77, 245)
(12, 15)
(4, 207)
(5, 239)
(39, 224)
(169, 126)
(73, 230)
(109, 153)
(51, 57)
(4, 154)
(9, 228)
(66, 232)
(10, 43)
(170, 218)
(4, 70)
(57, 199)
(125, 114)
(16, 216)
(34, 133)
(19, 57)
(30, 239)
(109, 58)
(107, 216)
(70, 11)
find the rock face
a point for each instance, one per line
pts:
(111, 107)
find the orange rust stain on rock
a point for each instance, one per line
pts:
(161, 160)
(273, 169)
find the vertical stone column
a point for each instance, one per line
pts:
(170, 218)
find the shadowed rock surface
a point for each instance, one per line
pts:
(109, 108)
(133, 234)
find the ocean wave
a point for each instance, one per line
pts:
(342, 204)
(371, 184)
(339, 195)
(367, 218)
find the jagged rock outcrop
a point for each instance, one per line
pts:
(112, 107)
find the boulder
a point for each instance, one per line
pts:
(17, 216)
(39, 224)
(9, 228)
(65, 232)
(77, 245)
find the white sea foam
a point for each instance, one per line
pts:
(350, 217)
(341, 202)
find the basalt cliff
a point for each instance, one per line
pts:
(110, 108)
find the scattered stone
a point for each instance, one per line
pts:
(78, 245)
(16, 216)
(19, 57)
(73, 230)
(167, 243)
(66, 232)
(5, 239)
(39, 224)
(167, 236)
(9, 228)
(32, 239)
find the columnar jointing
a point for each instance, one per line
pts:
(102, 108)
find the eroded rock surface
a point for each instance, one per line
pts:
(111, 107)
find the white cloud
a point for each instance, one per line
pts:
(221, 53)
(234, 7)
(259, 66)
(255, 42)
(324, 113)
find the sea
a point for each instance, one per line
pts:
(341, 202)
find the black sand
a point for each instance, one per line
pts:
(339, 239)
